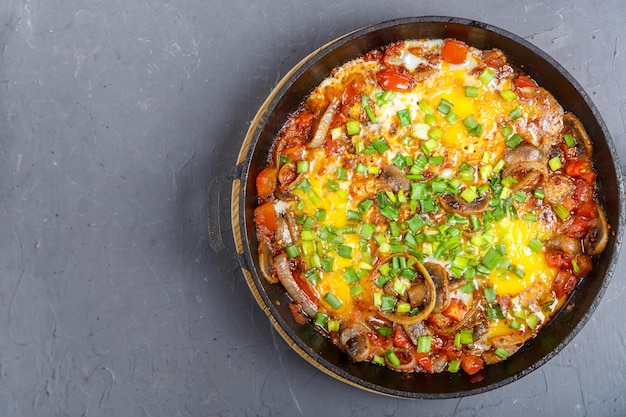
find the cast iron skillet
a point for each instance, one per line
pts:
(289, 94)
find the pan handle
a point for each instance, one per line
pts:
(220, 213)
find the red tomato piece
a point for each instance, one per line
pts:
(524, 81)
(587, 209)
(455, 311)
(400, 338)
(425, 361)
(265, 218)
(295, 153)
(395, 79)
(472, 364)
(266, 182)
(580, 168)
(454, 52)
(577, 227)
(558, 259)
(564, 283)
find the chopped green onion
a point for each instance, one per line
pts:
(292, 251)
(353, 216)
(508, 95)
(519, 196)
(399, 161)
(405, 117)
(555, 163)
(535, 245)
(380, 145)
(327, 264)
(304, 185)
(392, 358)
(387, 303)
(302, 166)
(517, 270)
(435, 133)
(487, 75)
(575, 266)
(403, 307)
(436, 160)
(514, 140)
(415, 223)
(506, 130)
(501, 353)
(315, 199)
(539, 194)
(498, 166)
(424, 343)
(342, 173)
(515, 114)
(490, 294)
(471, 91)
(332, 299)
(468, 287)
(425, 107)
(470, 123)
(530, 217)
(333, 325)
(344, 251)
(284, 159)
(430, 119)
(454, 365)
(320, 215)
(321, 319)
(469, 194)
(444, 106)
(350, 275)
(385, 331)
(515, 325)
(466, 336)
(569, 140)
(491, 258)
(367, 231)
(356, 290)
(494, 312)
(364, 205)
(561, 211)
(451, 117)
(307, 235)
(353, 127)
(532, 320)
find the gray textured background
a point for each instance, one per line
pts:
(116, 115)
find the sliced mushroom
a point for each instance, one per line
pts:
(598, 236)
(525, 152)
(527, 174)
(319, 137)
(510, 342)
(281, 263)
(565, 244)
(356, 341)
(441, 278)
(455, 204)
(414, 331)
(557, 188)
(580, 134)
(429, 302)
(393, 179)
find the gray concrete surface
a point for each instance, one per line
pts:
(115, 116)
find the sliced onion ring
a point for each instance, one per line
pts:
(291, 286)
(319, 137)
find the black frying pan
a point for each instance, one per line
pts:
(289, 94)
